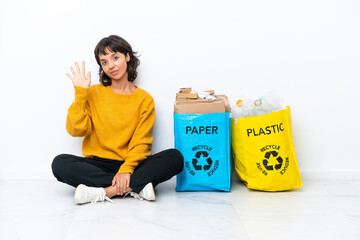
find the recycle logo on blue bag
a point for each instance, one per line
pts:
(202, 161)
(197, 158)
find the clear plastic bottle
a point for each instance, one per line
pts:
(242, 108)
(269, 102)
(246, 107)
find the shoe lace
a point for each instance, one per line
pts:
(96, 196)
(134, 195)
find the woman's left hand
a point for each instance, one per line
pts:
(122, 182)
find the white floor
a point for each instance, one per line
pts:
(321, 209)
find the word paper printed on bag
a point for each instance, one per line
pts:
(201, 129)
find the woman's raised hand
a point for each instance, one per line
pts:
(78, 78)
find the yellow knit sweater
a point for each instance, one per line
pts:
(115, 126)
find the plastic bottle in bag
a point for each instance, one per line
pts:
(269, 102)
(242, 108)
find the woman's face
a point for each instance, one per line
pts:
(114, 64)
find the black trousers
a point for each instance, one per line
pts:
(99, 172)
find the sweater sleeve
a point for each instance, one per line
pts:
(141, 141)
(78, 121)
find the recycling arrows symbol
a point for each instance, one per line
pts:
(267, 157)
(196, 160)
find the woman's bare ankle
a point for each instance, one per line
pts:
(111, 191)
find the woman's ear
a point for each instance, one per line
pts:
(127, 57)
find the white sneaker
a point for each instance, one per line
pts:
(85, 194)
(146, 193)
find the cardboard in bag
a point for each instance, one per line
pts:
(189, 102)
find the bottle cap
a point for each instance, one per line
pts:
(258, 102)
(239, 103)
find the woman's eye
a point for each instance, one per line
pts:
(103, 63)
(116, 58)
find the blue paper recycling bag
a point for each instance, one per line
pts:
(204, 141)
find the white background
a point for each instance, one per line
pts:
(309, 51)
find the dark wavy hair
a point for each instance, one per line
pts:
(115, 43)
